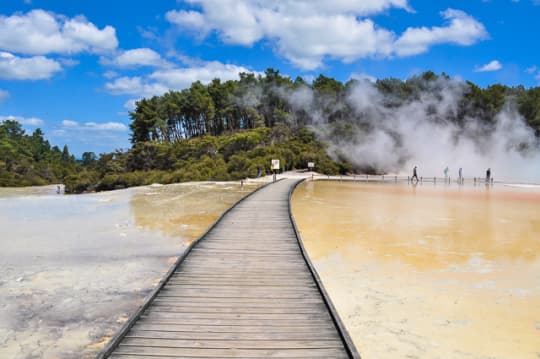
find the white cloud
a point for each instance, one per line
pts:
(28, 121)
(491, 66)
(308, 32)
(110, 74)
(137, 57)
(161, 81)
(531, 70)
(130, 104)
(92, 126)
(135, 86)
(39, 32)
(32, 68)
(461, 29)
(3, 95)
(362, 77)
(180, 78)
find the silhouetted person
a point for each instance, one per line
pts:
(460, 173)
(414, 174)
(446, 172)
(488, 175)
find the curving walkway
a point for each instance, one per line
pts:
(243, 291)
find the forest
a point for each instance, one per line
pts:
(230, 130)
(30, 160)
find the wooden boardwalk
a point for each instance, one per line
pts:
(245, 290)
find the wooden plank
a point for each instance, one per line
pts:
(232, 352)
(190, 335)
(306, 330)
(149, 341)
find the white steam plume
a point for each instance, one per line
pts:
(393, 139)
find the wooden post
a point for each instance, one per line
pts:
(396, 179)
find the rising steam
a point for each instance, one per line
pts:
(392, 138)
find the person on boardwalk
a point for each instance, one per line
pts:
(414, 174)
(488, 175)
(446, 172)
(460, 175)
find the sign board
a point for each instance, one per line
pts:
(275, 164)
(311, 164)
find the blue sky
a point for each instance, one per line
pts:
(74, 68)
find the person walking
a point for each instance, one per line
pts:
(460, 175)
(488, 175)
(414, 174)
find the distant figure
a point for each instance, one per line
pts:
(58, 189)
(414, 174)
(460, 175)
(446, 172)
(488, 175)
(259, 172)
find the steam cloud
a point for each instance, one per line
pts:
(393, 139)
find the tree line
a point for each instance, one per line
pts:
(230, 130)
(263, 101)
(29, 159)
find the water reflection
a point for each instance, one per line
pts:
(72, 268)
(429, 271)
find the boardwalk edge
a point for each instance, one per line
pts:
(121, 333)
(344, 334)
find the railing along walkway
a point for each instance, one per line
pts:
(245, 290)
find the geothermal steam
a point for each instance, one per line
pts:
(418, 133)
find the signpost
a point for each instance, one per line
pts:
(311, 165)
(275, 167)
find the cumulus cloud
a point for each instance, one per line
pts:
(461, 29)
(135, 86)
(93, 126)
(31, 68)
(28, 121)
(161, 81)
(39, 32)
(491, 66)
(308, 32)
(135, 58)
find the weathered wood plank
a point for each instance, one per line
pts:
(191, 335)
(233, 352)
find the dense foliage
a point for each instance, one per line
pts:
(230, 130)
(265, 101)
(29, 160)
(225, 157)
